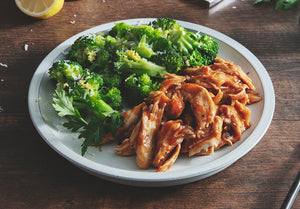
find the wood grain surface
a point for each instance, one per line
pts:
(32, 175)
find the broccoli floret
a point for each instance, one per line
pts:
(209, 48)
(113, 98)
(102, 61)
(122, 30)
(112, 43)
(182, 40)
(170, 59)
(83, 86)
(111, 81)
(195, 49)
(153, 38)
(66, 71)
(144, 39)
(165, 24)
(131, 62)
(87, 93)
(195, 58)
(192, 47)
(138, 87)
(78, 97)
(139, 31)
(85, 48)
(144, 49)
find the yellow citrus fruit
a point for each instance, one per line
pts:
(42, 9)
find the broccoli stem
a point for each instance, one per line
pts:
(185, 43)
(144, 49)
(145, 66)
(131, 61)
(101, 108)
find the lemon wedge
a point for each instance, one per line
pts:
(41, 9)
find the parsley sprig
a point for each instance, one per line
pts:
(280, 4)
(78, 98)
(92, 131)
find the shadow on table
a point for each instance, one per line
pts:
(11, 16)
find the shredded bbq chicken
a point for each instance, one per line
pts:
(197, 112)
(171, 134)
(202, 105)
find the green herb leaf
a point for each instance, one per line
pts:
(74, 124)
(63, 104)
(280, 4)
(92, 133)
(285, 4)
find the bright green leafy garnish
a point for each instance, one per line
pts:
(280, 4)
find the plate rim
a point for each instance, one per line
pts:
(125, 176)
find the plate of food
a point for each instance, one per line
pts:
(151, 101)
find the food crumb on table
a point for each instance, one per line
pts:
(3, 64)
(26, 47)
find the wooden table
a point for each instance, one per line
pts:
(32, 175)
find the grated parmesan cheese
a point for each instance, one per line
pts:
(91, 56)
(65, 85)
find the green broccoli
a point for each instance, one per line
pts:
(165, 24)
(154, 39)
(85, 48)
(112, 44)
(66, 71)
(192, 47)
(196, 49)
(82, 85)
(208, 47)
(172, 60)
(139, 31)
(78, 96)
(138, 87)
(102, 61)
(130, 62)
(144, 39)
(112, 96)
(122, 30)
(144, 49)
(112, 80)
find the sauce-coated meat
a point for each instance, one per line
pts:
(197, 112)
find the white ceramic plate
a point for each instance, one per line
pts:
(107, 164)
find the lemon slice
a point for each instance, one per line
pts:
(42, 9)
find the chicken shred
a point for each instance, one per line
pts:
(197, 113)
(150, 122)
(170, 135)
